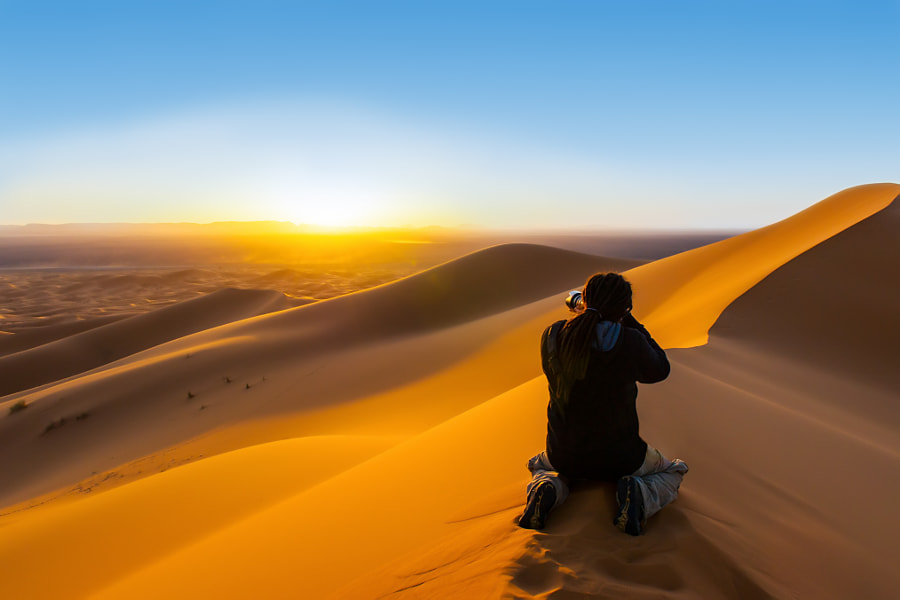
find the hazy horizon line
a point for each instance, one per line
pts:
(273, 226)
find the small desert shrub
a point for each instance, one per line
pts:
(55, 424)
(17, 407)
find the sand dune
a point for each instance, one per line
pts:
(794, 352)
(835, 306)
(35, 301)
(684, 294)
(416, 405)
(10, 343)
(173, 511)
(104, 344)
(282, 362)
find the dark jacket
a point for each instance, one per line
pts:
(593, 434)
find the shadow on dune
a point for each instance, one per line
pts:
(834, 305)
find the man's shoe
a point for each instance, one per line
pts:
(630, 517)
(540, 503)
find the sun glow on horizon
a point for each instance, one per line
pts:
(337, 206)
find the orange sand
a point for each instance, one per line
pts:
(374, 444)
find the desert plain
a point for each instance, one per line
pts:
(205, 414)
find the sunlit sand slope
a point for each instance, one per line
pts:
(108, 534)
(429, 512)
(285, 362)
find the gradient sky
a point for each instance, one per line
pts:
(526, 113)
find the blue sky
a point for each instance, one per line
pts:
(503, 114)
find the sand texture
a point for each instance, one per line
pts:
(248, 444)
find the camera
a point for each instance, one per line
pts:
(575, 301)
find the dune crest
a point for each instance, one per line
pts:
(683, 295)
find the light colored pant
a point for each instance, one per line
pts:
(658, 478)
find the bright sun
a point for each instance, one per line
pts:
(331, 207)
(328, 213)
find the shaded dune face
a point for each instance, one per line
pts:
(684, 295)
(834, 306)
